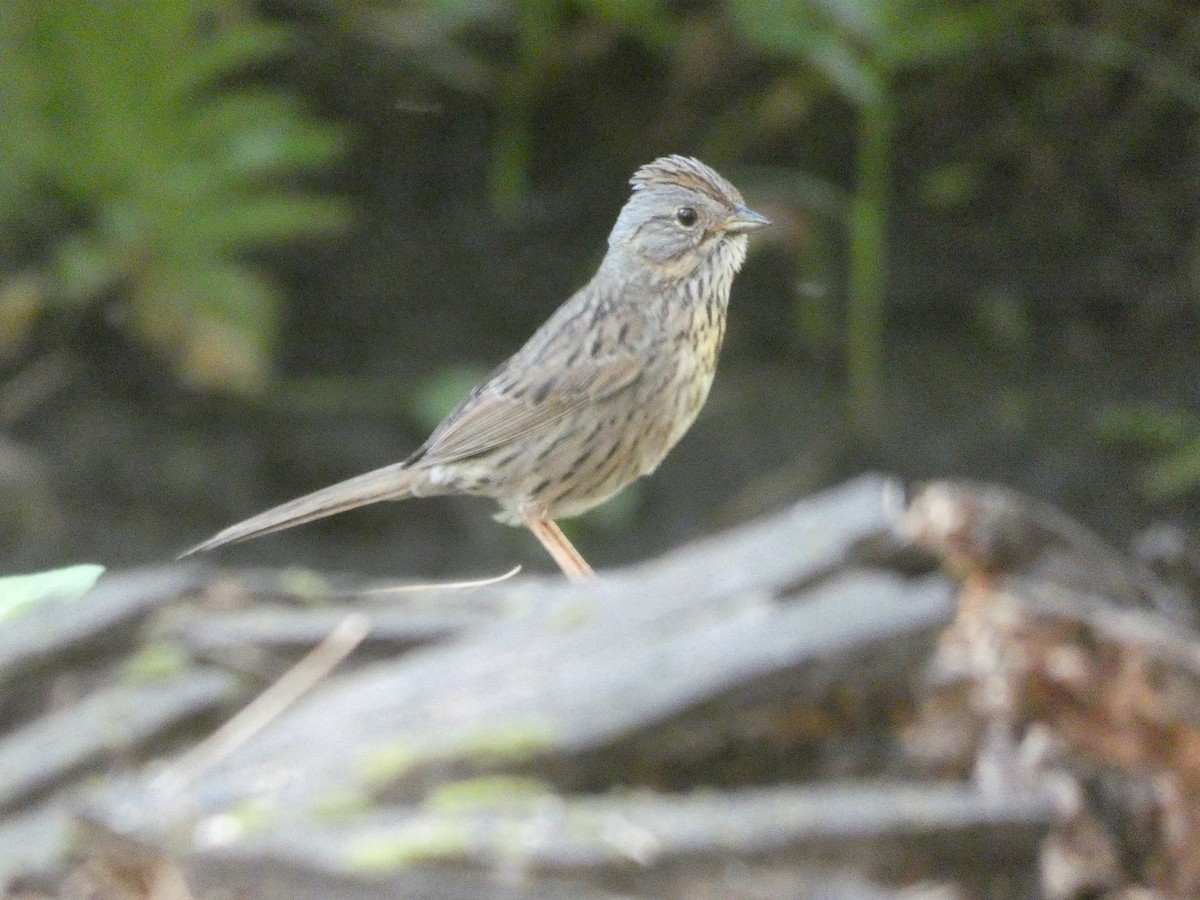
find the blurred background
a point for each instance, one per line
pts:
(249, 249)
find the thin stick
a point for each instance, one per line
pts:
(267, 706)
(443, 586)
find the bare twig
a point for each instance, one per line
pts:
(267, 706)
(443, 586)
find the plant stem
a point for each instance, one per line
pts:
(868, 261)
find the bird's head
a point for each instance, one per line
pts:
(683, 211)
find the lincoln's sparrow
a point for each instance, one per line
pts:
(601, 391)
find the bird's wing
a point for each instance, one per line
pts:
(510, 405)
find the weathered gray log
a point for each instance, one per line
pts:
(297, 882)
(643, 843)
(546, 832)
(34, 842)
(59, 627)
(103, 724)
(636, 736)
(288, 629)
(674, 657)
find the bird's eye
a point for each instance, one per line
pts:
(686, 216)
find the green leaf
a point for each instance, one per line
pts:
(798, 30)
(229, 50)
(1174, 433)
(234, 296)
(83, 267)
(646, 20)
(267, 218)
(254, 134)
(863, 20)
(1150, 427)
(19, 592)
(23, 137)
(853, 75)
(941, 35)
(1175, 473)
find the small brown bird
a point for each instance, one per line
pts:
(600, 393)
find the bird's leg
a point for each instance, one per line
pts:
(574, 566)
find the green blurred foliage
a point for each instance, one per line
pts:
(864, 53)
(512, 52)
(436, 397)
(856, 49)
(1173, 434)
(860, 47)
(134, 122)
(134, 138)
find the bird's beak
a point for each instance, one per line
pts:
(745, 220)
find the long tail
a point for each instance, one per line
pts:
(393, 482)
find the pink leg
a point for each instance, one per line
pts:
(574, 566)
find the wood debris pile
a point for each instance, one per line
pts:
(962, 695)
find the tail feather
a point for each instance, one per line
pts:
(392, 482)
